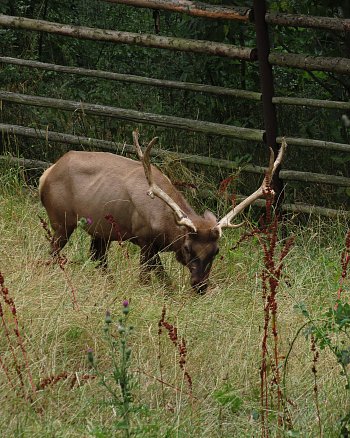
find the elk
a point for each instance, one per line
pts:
(147, 208)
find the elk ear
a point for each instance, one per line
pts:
(214, 231)
(210, 216)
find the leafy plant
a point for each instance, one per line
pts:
(227, 397)
(331, 331)
(118, 381)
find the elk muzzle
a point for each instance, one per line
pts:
(199, 277)
(199, 286)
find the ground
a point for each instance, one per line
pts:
(61, 315)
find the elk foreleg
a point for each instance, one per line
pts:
(60, 238)
(150, 261)
(98, 250)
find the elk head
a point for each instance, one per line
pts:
(199, 243)
(198, 251)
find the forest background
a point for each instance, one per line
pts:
(322, 124)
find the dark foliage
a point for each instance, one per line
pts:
(293, 121)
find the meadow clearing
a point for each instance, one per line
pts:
(49, 388)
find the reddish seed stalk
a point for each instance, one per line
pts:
(267, 236)
(223, 189)
(163, 382)
(314, 371)
(52, 380)
(11, 304)
(160, 324)
(271, 277)
(48, 235)
(345, 260)
(55, 378)
(180, 345)
(263, 375)
(7, 335)
(184, 184)
(61, 260)
(18, 369)
(7, 374)
(24, 353)
(109, 218)
(182, 362)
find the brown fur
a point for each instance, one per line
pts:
(96, 184)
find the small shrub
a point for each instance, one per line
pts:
(118, 381)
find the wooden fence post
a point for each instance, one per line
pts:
(267, 90)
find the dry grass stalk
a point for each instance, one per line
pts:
(61, 261)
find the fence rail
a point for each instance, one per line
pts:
(187, 86)
(307, 62)
(304, 62)
(163, 121)
(257, 15)
(197, 9)
(291, 208)
(288, 175)
(135, 116)
(239, 14)
(137, 39)
(327, 23)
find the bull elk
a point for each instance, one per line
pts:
(98, 185)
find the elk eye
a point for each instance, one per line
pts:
(187, 249)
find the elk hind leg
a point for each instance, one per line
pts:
(98, 250)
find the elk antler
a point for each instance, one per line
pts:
(154, 189)
(225, 222)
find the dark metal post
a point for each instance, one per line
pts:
(267, 90)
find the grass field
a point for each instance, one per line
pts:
(223, 332)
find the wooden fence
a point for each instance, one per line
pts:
(261, 54)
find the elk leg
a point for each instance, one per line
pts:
(150, 261)
(98, 250)
(60, 238)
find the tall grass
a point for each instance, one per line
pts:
(223, 332)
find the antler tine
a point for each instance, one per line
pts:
(225, 222)
(274, 163)
(280, 155)
(135, 136)
(149, 147)
(145, 159)
(270, 170)
(154, 189)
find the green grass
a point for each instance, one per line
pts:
(223, 331)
